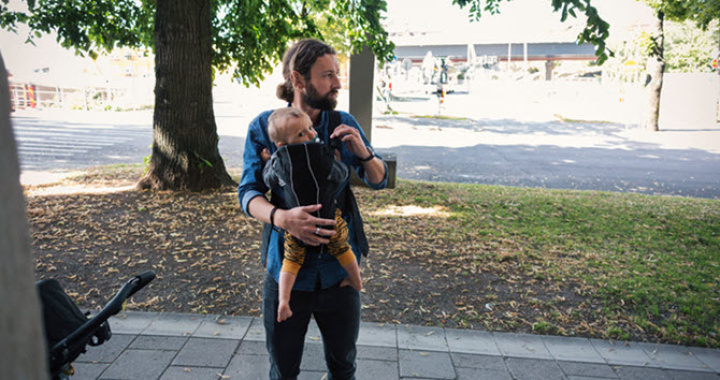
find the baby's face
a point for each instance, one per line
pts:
(300, 130)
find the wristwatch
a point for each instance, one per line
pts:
(370, 157)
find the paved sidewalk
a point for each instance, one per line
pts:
(184, 346)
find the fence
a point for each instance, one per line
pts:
(131, 95)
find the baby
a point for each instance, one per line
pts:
(305, 168)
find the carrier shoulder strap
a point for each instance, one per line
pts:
(347, 198)
(334, 120)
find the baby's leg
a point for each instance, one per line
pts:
(354, 274)
(294, 258)
(341, 250)
(287, 280)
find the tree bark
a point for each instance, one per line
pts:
(185, 153)
(654, 81)
(22, 340)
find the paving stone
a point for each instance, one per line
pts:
(251, 347)
(313, 358)
(472, 342)
(313, 333)
(709, 357)
(673, 357)
(248, 367)
(88, 371)
(603, 371)
(108, 351)
(152, 342)
(192, 373)
(692, 375)
(139, 364)
(377, 370)
(534, 369)
(421, 338)
(482, 374)
(312, 375)
(223, 327)
(131, 322)
(478, 361)
(377, 353)
(522, 345)
(641, 373)
(190, 343)
(375, 334)
(256, 331)
(575, 349)
(206, 352)
(174, 324)
(430, 365)
(622, 353)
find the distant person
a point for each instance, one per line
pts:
(321, 290)
(287, 128)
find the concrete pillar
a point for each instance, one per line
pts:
(509, 57)
(362, 72)
(362, 92)
(549, 66)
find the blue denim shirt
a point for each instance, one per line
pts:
(252, 185)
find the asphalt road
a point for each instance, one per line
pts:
(557, 155)
(502, 151)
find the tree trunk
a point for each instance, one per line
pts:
(655, 70)
(22, 342)
(185, 153)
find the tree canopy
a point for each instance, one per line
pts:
(689, 50)
(248, 37)
(250, 49)
(702, 12)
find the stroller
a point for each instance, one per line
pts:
(68, 331)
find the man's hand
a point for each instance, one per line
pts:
(374, 168)
(351, 137)
(300, 222)
(265, 155)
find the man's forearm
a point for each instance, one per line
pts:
(259, 208)
(374, 170)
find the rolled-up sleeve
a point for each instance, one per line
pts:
(251, 182)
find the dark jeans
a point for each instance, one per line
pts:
(337, 313)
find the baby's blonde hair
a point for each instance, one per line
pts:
(278, 121)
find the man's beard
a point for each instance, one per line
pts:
(312, 98)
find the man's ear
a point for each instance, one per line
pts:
(298, 81)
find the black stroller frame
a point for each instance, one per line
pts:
(93, 331)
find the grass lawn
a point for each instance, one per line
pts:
(652, 262)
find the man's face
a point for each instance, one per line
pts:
(321, 91)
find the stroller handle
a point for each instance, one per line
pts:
(113, 307)
(142, 280)
(131, 287)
